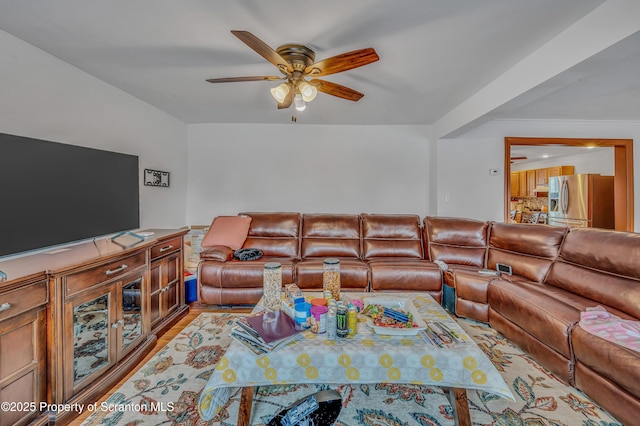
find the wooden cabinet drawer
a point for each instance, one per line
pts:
(166, 247)
(85, 279)
(21, 300)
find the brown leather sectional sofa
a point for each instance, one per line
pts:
(557, 273)
(376, 252)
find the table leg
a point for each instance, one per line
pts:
(246, 401)
(460, 405)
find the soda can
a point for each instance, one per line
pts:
(352, 320)
(332, 323)
(342, 327)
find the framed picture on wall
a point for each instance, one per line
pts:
(156, 178)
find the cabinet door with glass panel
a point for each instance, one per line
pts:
(107, 323)
(166, 287)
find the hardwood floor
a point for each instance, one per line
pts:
(163, 340)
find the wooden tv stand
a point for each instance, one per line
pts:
(75, 320)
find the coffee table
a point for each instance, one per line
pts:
(367, 358)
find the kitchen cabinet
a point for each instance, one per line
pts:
(542, 177)
(522, 183)
(560, 171)
(515, 184)
(531, 183)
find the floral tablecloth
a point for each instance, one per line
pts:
(367, 358)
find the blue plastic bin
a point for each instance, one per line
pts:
(190, 289)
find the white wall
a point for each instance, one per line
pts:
(306, 168)
(45, 98)
(484, 197)
(465, 187)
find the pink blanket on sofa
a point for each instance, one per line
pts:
(610, 327)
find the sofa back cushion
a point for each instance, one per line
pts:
(391, 235)
(600, 265)
(275, 234)
(456, 241)
(330, 235)
(529, 249)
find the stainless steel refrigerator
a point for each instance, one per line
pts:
(584, 201)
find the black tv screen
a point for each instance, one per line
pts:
(53, 193)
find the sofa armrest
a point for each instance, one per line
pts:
(221, 253)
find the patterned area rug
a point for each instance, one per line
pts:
(166, 390)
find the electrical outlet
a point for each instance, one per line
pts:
(494, 172)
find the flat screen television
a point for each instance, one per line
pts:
(53, 193)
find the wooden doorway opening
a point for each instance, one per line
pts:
(623, 172)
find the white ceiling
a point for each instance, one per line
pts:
(436, 57)
(534, 153)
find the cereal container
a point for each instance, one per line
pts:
(331, 277)
(272, 286)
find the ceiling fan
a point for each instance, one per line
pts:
(297, 63)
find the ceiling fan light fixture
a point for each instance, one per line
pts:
(280, 92)
(299, 103)
(307, 91)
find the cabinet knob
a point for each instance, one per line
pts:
(117, 323)
(114, 271)
(163, 249)
(5, 306)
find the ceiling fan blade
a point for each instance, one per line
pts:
(232, 79)
(264, 50)
(343, 62)
(336, 89)
(288, 100)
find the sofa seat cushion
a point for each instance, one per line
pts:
(242, 274)
(617, 363)
(405, 274)
(208, 295)
(543, 316)
(354, 274)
